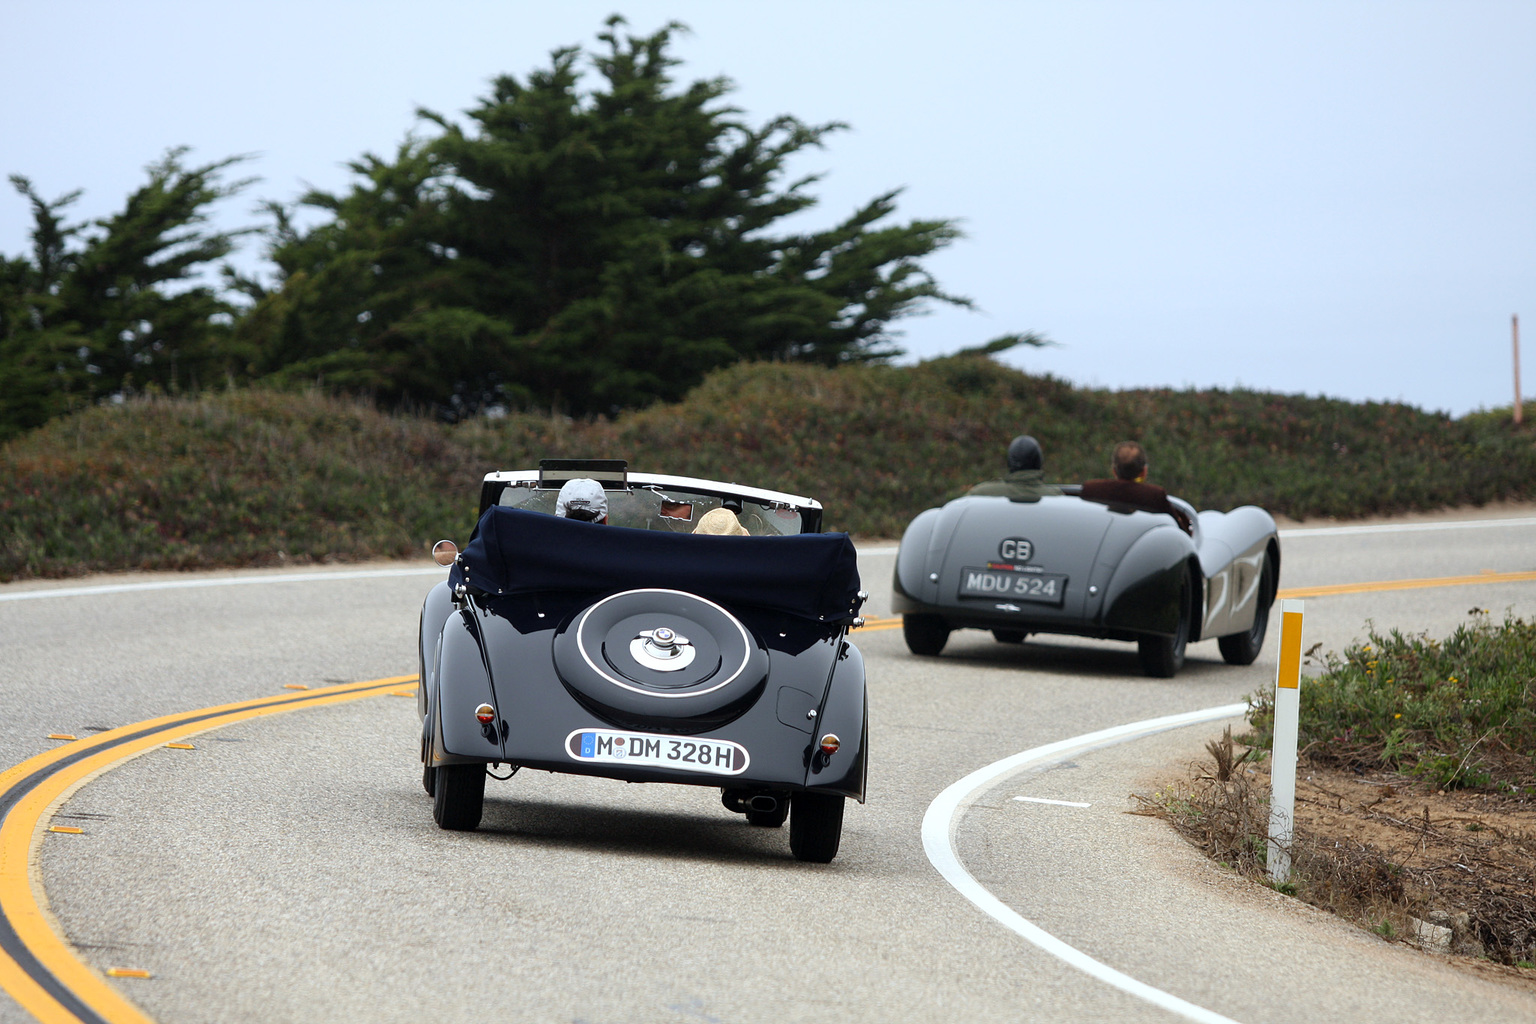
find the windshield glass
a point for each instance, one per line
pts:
(671, 509)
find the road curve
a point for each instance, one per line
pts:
(286, 868)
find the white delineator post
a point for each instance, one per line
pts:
(1282, 768)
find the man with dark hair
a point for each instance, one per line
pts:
(1026, 474)
(1129, 487)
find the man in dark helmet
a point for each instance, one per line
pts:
(1026, 473)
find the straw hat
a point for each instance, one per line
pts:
(722, 522)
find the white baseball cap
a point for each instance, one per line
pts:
(582, 498)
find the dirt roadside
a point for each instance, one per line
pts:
(1386, 851)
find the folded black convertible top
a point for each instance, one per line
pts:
(514, 551)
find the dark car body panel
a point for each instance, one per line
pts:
(1123, 567)
(489, 636)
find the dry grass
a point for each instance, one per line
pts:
(1381, 851)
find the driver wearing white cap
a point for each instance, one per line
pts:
(583, 499)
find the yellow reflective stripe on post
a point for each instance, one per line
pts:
(1289, 675)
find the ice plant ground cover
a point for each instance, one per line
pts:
(1458, 712)
(251, 477)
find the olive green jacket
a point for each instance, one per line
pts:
(1023, 485)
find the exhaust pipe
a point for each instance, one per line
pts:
(763, 803)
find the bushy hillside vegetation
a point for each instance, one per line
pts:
(250, 477)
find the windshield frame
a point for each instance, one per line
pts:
(524, 485)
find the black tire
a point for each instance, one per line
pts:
(428, 778)
(769, 819)
(925, 634)
(1009, 636)
(1162, 656)
(1243, 648)
(815, 826)
(458, 796)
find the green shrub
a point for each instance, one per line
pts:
(1459, 712)
(259, 477)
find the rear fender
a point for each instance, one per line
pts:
(915, 560)
(844, 712)
(434, 612)
(463, 683)
(1240, 541)
(1143, 594)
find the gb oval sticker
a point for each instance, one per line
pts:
(1015, 549)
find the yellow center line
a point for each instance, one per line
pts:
(875, 623)
(21, 895)
(1380, 585)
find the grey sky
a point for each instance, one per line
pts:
(1333, 198)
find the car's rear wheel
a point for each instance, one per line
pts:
(458, 796)
(1243, 648)
(925, 634)
(1009, 636)
(1162, 656)
(815, 826)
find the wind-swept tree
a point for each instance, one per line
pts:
(113, 307)
(587, 250)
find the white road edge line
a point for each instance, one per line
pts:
(320, 577)
(1053, 803)
(942, 818)
(219, 581)
(1465, 524)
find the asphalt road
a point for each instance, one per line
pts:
(287, 868)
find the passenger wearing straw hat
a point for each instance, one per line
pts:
(721, 522)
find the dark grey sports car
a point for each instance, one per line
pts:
(644, 651)
(1062, 564)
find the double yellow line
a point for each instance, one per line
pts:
(1438, 581)
(37, 967)
(40, 970)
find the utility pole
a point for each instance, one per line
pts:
(1514, 326)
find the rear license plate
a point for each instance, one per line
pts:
(686, 753)
(1040, 587)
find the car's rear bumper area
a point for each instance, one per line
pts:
(775, 735)
(958, 617)
(830, 780)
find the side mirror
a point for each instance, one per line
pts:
(445, 552)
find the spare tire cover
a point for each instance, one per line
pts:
(659, 654)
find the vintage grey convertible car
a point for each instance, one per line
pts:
(1062, 564)
(643, 651)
